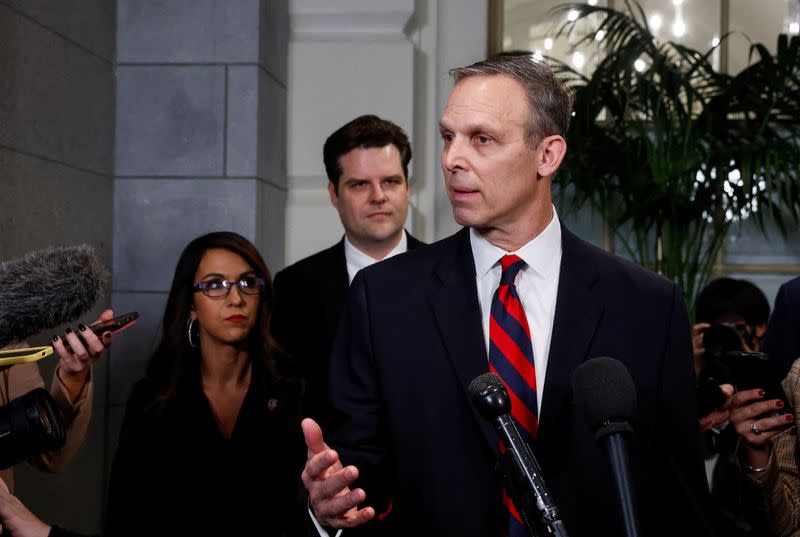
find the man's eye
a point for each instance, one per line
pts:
(447, 137)
(482, 139)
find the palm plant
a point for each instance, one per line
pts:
(672, 152)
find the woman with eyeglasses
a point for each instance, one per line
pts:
(215, 417)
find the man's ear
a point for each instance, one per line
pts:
(551, 152)
(333, 195)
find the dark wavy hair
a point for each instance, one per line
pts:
(174, 360)
(363, 132)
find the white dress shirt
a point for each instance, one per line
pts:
(356, 259)
(537, 286)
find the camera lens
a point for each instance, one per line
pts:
(30, 425)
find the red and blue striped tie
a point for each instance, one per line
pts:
(511, 357)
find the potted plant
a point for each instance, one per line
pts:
(672, 152)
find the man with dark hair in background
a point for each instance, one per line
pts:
(367, 165)
(513, 291)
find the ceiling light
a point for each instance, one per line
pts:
(592, 2)
(794, 27)
(639, 65)
(655, 22)
(715, 41)
(679, 28)
(548, 43)
(572, 16)
(578, 59)
(600, 35)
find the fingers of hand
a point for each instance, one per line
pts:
(313, 437)
(728, 390)
(766, 427)
(107, 315)
(699, 328)
(77, 346)
(331, 496)
(94, 345)
(342, 511)
(321, 465)
(743, 398)
(354, 517)
(714, 419)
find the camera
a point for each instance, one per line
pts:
(30, 425)
(720, 338)
(727, 362)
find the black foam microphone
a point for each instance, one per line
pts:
(47, 288)
(524, 481)
(604, 390)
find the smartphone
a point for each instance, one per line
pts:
(751, 370)
(23, 356)
(117, 324)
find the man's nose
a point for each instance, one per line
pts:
(378, 195)
(453, 155)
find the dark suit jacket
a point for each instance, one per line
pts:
(411, 341)
(309, 297)
(782, 340)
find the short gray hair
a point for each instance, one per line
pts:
(549, 99)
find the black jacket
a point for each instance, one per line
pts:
(309, 297)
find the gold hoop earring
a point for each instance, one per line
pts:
(189, 327)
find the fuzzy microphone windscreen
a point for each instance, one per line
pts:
(47, 288)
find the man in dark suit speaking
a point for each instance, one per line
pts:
(367, 165)
(515, 292)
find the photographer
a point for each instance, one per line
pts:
(731, 317)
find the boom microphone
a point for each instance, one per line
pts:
(604, 390)
(524, 481)
(47, 288)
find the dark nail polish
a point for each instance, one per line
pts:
(107, 335)
(779, 404)
(789, 417)
(55, 338)
(68, 331)
(761, 393)
(82, 327)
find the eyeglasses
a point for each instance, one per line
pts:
(248, 285)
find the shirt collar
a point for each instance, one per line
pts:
(360, 260)
(542, 253)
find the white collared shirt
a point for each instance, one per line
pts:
(357, 260)
(537, 286)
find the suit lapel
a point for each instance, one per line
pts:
(577, 314)
(458, 317)
(334, 286)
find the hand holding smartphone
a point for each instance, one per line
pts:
(751, 370)
(112, 326)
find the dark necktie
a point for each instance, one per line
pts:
(511, 357)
